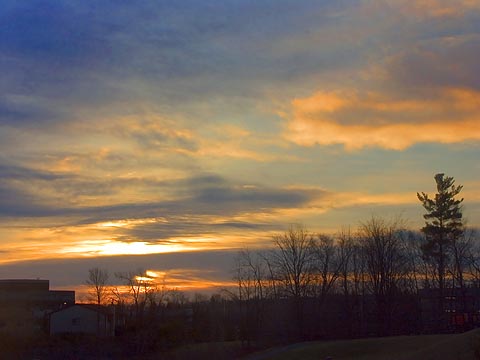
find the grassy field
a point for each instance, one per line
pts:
(424, 347)
(464, 346)
(204, 351)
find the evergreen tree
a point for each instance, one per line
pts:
(443, 225)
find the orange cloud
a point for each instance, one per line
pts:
(380, 121)
(438, 8)
(320, 102)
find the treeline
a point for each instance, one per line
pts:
(150, 316)
(366, 282)
(360, 282)
(377, 279)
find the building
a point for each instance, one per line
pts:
(82, 319)
(26, 303)
(460, 309)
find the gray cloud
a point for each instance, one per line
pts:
(195, 200)
(15, 172)
(211, 201)
(214, 264)
(83, 54)
(71, 55)
(179, 226)
(439, 64)
(15, 203)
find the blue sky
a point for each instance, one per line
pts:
(147, 128)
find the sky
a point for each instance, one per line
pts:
(167, 135)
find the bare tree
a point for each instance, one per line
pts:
(474, 259)
(271, 276)
(177, 297)
(412, 241)
(345, 252)
(461, 250)
(327, 265)
(140, 288)
(351, 277)
(251, 275)
(386, 265)
(293, 260)
(98, 283)
(159, 292)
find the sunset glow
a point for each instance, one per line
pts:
(167, 136)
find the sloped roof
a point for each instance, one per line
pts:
(92, 307)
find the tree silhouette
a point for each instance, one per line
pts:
(97, 280)
(386, 265)
(443, 222)
(293, 259)
(443, 226)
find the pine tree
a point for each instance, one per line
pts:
(443, 225)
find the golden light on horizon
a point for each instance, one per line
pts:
(155, 274)
(187, 281)
(107, 247)
(128, 222)
(145, 279)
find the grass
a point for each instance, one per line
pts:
(464, 346)
(208, 351)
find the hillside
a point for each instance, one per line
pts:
(423, 347)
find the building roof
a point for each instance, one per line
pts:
(92, 307)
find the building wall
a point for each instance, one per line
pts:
(460, 309)
(34, 292)
(25, 303)
(19, 321)
(79, 319)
